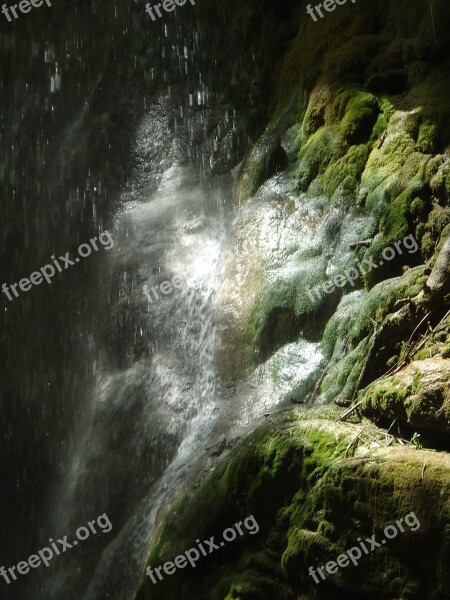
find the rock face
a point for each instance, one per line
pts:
(315, 492)
(418, 395)
(361, 112)
(439, 281)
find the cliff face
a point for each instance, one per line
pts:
(340, 246)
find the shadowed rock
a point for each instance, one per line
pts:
(439, 280)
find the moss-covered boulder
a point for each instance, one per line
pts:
(418, 395)
(315, 488)
(361, 339)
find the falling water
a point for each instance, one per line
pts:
(157, 393)
(129, 399)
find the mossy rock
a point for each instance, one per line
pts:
(345, 173)
(440, 181)
(355, 340)
(431, 230)
(317, 113)
(428, 141)
(320, 494)
(381, 300)
(341, 382)
(380, 309)
(324, 146)
(394, 165)
(393, 81)
(360, 117)
(416, 395)
(400, 220)
(336, 329)
(345, 129)
(434, 103)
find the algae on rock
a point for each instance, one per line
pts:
(313, 495)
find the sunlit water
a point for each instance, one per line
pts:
(159, 404)
(150, 414)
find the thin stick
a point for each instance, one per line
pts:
(353, 441)
(420, 323)
(390, 371)
(443, 406)
(392, 424)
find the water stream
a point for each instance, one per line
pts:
(156, 391)
(118, 379)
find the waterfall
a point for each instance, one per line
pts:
(156, 395)
(158, 403)
(112, 368)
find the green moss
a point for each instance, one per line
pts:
(346, 171)
(417, 208)
(318, 498)
(389, 397)
(428, 141)
(445, 352)
(380, 125)
(414, 395)
(270, 464)
(381, 299)
(251, 590)
(401, 218)
(335, 332)
(307, 547)
(360, 117)
(342, 379)
(394, 225)
(355, 339)
(346, 128)
(423, 353)
(321, 148)
(438, 220)
(440, 181)
(317, 112)
(434, 104)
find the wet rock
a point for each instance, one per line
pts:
(217, 449)
(418, 395)
(313, 491)
(439, 280)
(278, 161)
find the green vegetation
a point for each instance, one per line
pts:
(313, 494)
